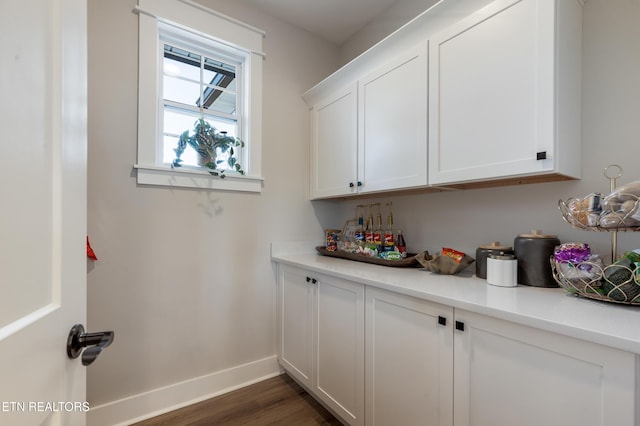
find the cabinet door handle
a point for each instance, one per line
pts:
(459, 326)
(314, 281)
(442, 320)
(359, 183)
(542, 155)
(351, 185)
(308, 279)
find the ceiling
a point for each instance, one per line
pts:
(332, 20)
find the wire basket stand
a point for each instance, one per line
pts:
(619, 283)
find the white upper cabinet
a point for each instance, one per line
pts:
(504, 93)
(334, 143)
(468, 92)
(392, 148)
(372, 135)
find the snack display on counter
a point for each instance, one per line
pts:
(617, 210)
(365, 239)
(577, 269)
(447, 262)
(332, 236)
(584, 274)
(620, 281)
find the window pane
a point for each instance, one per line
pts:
(174, 67)
(218, 100)
(177, 121)
(220, 91)
(182, 91)
(221, 125)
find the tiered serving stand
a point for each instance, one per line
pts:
(592, 279)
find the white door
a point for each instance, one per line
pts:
(43, 209)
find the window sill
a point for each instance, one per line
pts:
(189, 178)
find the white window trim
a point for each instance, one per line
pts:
(190, 16)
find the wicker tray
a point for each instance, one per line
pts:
(409, 261)
(596, 285)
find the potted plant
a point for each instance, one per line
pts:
(207, 141)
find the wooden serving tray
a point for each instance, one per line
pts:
(409, 261)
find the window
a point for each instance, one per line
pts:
(198, 83)
(196, 64)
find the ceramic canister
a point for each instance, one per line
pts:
(533, 252)
(484, 251)
(502, 270)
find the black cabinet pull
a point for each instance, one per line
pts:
(442, 320)
(459, 326)
(542, 155)
(314, 281)
(308, 279)
(351, 185)
(359, 183)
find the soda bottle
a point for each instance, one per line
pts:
(401, 244)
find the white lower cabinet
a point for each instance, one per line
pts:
(321, 338)
(409, 361)
(295, 316)
(509, 374)
(424, 363)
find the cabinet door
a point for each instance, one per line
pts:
(339, 347)
(508, 374)
(491, 94)
(334, 143)
(295, 310)
(393, 124)
(409, 361)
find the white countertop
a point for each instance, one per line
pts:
(551, 309)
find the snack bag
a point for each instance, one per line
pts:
(454, 254)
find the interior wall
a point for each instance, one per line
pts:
(610, 135)
(384, 24)
(184, 277)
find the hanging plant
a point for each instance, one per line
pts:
(207, 142)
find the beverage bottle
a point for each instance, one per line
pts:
(401, 244)
(368, 233)
(360, 237)
(377, 233)
(388, 234)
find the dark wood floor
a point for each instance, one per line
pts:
(276, 401)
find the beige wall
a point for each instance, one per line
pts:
(184, 276)
(384, 24)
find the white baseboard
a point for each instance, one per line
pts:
(162, 400)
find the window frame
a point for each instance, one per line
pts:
(186, 20)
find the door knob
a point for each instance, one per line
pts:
(94, 342)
